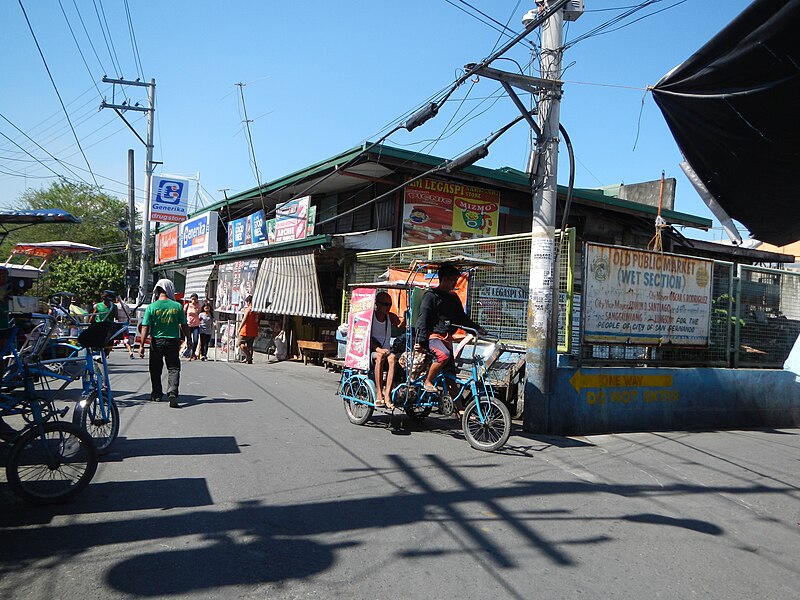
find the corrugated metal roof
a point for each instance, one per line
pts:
(197, 280)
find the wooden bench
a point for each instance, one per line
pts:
(333, 364)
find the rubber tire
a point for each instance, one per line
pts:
(494, 433)
(27, 453)
(103, 435)
(417, 413)
(357, 413)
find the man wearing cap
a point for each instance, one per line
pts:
(164, 320)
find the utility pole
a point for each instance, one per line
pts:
(131, 258)
(541, 355)
(144, 263)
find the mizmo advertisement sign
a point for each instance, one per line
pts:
(646, 298)
(198, 235)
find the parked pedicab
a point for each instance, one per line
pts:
(486, 421)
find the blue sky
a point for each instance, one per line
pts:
(323, 77)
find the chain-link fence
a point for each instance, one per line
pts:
(497, 295)
(767, 316)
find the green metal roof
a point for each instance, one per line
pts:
(502, 176)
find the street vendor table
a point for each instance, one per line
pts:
(316, 351)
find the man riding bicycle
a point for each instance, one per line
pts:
(439, 308)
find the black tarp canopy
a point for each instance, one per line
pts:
(734, 110)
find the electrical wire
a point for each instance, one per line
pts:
(80, 51)
(55, 87)
(134, 45)
(88, 37)
(494, 23)
(112, 52)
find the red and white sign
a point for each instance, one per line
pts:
(359, 328)
(167, 246)
(291, 220)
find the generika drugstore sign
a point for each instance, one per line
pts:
(191, 238)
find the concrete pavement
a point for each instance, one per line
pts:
(260, 488)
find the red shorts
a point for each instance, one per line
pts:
(442, 349)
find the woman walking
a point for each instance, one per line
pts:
(206, 329)
(192, 310)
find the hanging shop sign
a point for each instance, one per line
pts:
(167, 246)
(442, 211)
(291, 220)
(247, 232)
(169, 199)
(198, 235)
(646, 298)
(236, 281)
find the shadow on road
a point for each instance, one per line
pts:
(255, 543)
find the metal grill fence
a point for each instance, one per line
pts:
(755, 313)
(497, 296)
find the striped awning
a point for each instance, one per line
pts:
(288, 285)
(197, 281)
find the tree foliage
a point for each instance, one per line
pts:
(85, 278)
(100, 215)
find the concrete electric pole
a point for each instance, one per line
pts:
(144, 262)
(541, 352)
(130, 264)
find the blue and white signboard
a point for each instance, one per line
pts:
(169, 199)
(247, 232)
(198, 235)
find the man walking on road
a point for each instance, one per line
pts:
(164, 319)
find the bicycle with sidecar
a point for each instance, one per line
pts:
(486, 421)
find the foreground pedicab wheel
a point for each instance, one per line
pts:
(88, 415)
(490, 433)
(357, 413)
(54, 467)
(417, 412)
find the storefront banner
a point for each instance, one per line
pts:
(443, 211)
(635, 296)
(270, 231)
(291, 220)
(198, 235)
(167, 246)
(359, 328)
(169, 199)
(247, 232)
(236, 280)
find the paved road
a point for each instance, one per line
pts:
(260, 488)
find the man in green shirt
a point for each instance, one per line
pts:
(103, 310)
(163, 320)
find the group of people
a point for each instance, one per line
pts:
(432, 331)
(200, 321)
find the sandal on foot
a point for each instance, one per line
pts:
(432, 389)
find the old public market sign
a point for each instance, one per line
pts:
(647, 298)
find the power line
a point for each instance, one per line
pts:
(55, 87)
(134, 45)
(80, 51)
(109, 46)
(40, 148)
(88, 37)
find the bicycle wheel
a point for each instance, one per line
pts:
(51, 467)
(357, 412)
(490, 433)
(88, 415)
(417, 413)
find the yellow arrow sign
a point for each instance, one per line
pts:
(580, 381)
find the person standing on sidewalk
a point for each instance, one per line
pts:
(192, 310)
(163, 320)
(248, 331)
(206, 329)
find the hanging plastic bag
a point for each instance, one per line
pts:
(280, 346)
